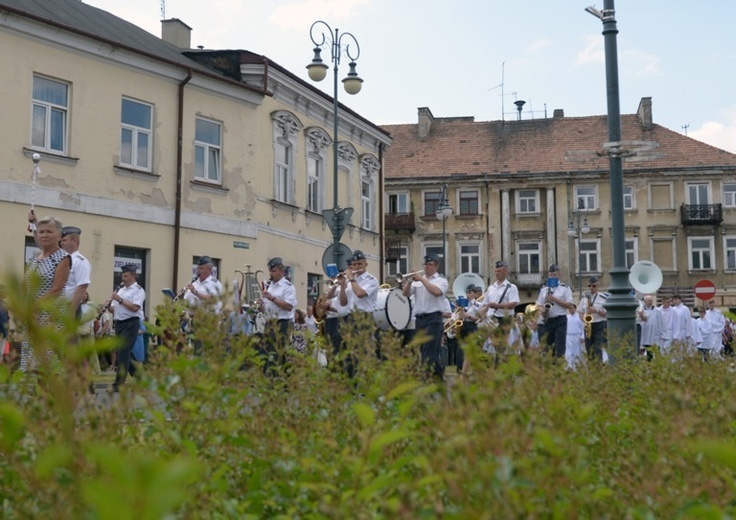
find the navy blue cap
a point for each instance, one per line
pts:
(129, 268)
(554, 268)
(70, 230)
(432, 257)
(500, 264)
(357, 255)
(275, 262)
(204, 260)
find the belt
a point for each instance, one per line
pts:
(556, 318)
(127, 319)
(429, 314)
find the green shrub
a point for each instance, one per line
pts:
(201, 437)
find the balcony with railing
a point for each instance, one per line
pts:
(701, 214)
(527, 280)
(402, 222)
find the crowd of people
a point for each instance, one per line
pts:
(340, 324)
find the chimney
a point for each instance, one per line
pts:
(558, 112)
(176, 32)
(425, 122)
(645, 113)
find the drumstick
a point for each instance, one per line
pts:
(34, 176)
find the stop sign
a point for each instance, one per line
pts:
(705, 289)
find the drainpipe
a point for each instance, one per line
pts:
(381, 233)
(179, 175)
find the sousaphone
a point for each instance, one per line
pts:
(463, 280)
(645, 277)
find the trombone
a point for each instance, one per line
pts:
(401, 278)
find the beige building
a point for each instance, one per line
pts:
(161, 153)
(535, 192)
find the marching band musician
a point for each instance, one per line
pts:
(277, 305)
(360, 288)
(127, 306)
(591, 303)
(204, 290)
(429, 291)
(554, 330)
(500, 300)
(470, 324)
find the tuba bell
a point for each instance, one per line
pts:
(645, 277)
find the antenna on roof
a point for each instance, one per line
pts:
(163, 9)
(685, 127)
(500, 85)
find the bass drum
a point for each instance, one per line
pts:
(393, 309)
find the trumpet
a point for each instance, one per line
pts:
(401, 278)
(452, 327)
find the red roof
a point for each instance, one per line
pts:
(462, 146)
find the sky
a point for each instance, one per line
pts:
(459, 57)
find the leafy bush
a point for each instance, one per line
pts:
(204, 437)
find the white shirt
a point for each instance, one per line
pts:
(210, 286)
(284, 290)
(682, 326)
(424, 301)
(596, 302)
(134, 294)
(503, 292)
(80, 274)
(562, 291)
(369, 284)
(651, 327)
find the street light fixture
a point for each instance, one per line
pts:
(444, 211)
(322, 35)
(573, 231)
(621, 304)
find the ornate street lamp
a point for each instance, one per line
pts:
(322, 35)
(444, 211)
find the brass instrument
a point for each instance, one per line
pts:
(588, 317)
(401, 278)
(252, 286)
(532, 311)
(452, 326)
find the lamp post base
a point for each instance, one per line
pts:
(621, 312)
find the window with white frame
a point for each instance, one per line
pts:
(729, 252)
(529, 255)
(207, 151)
(632, 251)
(585, 198)
(401, 265)
(698, 194)
(729, 195)
(470, 258)
(286, 130)
(49, 114)
(366, 203)
(314, 190)
(468, 203)
(284, 171)
(369, 168)
(629, 198)
(398, 203)
(589, 257)
(136, 134)
(527, 202)
(700, 253)
(317, 144)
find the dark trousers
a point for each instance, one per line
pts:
(597, 342)
(554, 335)
(469, 328)
(430, 350)
(127, 331)
(272, 346)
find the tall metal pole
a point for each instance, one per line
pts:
(580, 258)
(317, 71)
(621, 304)
(444, 248)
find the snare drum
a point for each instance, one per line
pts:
(393, 309)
